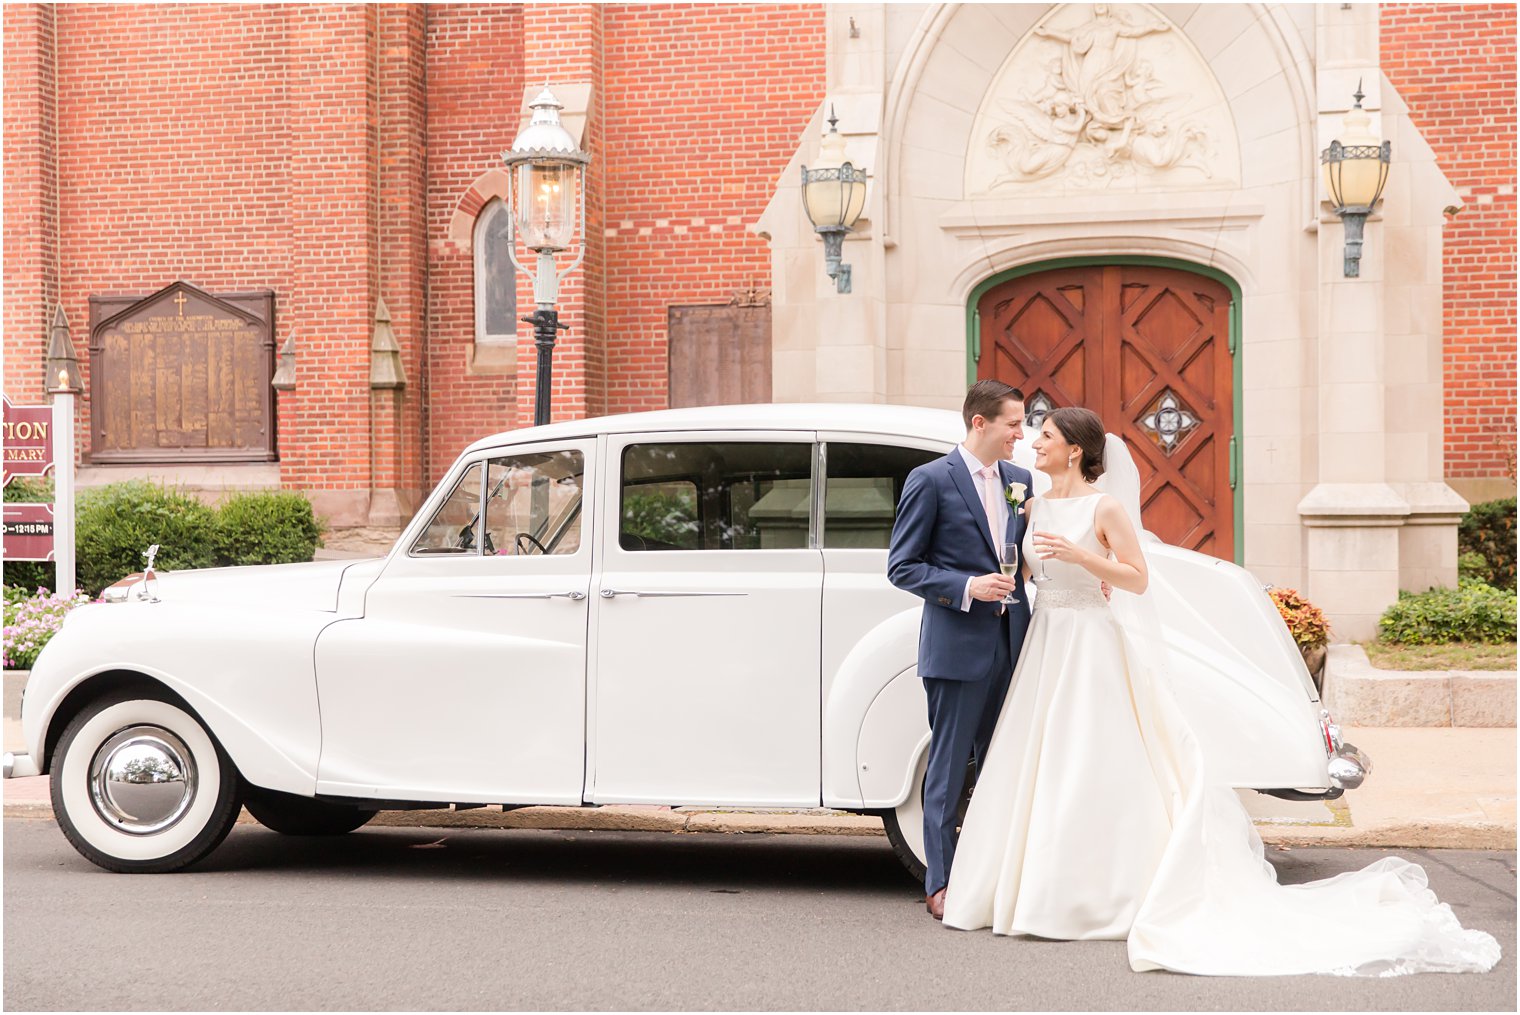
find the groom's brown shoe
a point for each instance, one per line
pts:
(936, 904)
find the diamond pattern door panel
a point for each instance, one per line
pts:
(1148, 350)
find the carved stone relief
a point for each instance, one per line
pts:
(1102, 97)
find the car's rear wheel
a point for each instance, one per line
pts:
(139, 786)
(905, 823)
(289, 814)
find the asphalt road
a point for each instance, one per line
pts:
(404, 918)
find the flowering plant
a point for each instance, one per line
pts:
(1014, 495)
(31, 620)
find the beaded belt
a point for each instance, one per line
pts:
(1070, 599)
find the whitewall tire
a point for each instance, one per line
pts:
(139, 785)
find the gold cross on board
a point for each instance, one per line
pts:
(181, 301)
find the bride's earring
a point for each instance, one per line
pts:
(1071, 461)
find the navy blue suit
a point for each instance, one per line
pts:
(965, 658)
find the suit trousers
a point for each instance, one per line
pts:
(962, 715)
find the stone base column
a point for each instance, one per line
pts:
(1428, 541)
(1351, 553)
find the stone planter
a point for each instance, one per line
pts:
(1314, 658)
(1359, 694)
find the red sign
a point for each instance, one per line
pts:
(28, 442)
(28, 532)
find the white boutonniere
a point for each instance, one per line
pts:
(1014, 495)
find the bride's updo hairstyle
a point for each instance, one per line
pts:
(1083, 430)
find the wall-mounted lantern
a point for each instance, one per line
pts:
(834, 195)
(1355, 168)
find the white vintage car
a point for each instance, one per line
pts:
(680, 607)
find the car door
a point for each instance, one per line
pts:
(705, 670)
(464, 681)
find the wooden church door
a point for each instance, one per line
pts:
(1147, 348)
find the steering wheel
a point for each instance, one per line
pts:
(522, 550)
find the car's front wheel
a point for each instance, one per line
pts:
(289, 814)
(140, 787)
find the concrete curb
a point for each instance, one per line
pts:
(1411, 835)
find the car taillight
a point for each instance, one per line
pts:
(1330, 731)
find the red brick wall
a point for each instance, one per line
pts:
(564, 43)
(1454, 64)
(31, 197)
(702, 108)
(398, 450)
(332, 201)
(698, 110)
(258, 150)
(172, 159)
(474, 92)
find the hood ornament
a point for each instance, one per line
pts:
(148, 590)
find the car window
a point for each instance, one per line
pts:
(455, 528)
(716, 496)
(533, 504)
(864, 484)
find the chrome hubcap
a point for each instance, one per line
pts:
(142, 779)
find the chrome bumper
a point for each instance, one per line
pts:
(19, 766)
(1348, 766)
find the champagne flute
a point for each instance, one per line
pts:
(1010, 569)
(1041, 578)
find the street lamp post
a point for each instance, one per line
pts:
(1355, 172)
(544, 203)
(63, 384)
(834, 195)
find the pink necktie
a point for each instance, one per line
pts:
(990, 493)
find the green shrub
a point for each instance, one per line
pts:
(1472, 567)
(116, 523)
(1489, 529)
(1473, 611)
(270, 527)
(29, 575)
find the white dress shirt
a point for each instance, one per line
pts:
(976, 465)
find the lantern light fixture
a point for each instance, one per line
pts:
(834, 195)
(62, 364)
(545, 207)
(1355, 171)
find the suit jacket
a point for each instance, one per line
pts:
(939, 540)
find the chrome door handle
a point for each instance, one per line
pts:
(609, 593)
(574, 595)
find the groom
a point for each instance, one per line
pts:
(954, 516)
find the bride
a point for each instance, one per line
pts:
(1095, 817)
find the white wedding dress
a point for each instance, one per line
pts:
(1094, 817)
